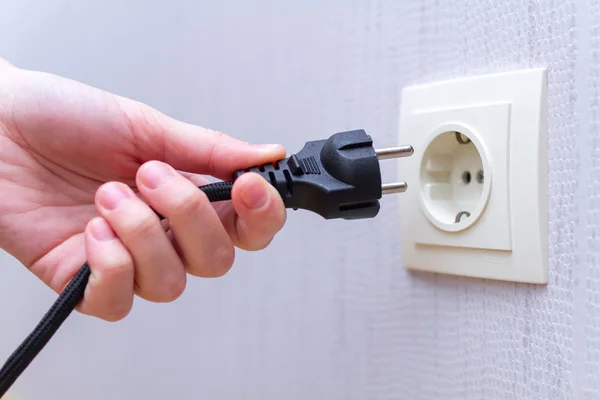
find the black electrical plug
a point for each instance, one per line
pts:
(336, 178)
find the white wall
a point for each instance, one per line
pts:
(335, 316)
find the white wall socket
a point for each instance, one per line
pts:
(476, 203)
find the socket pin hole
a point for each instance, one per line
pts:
(460, 215)
(480, 176)
(466, 177)
(462, 139)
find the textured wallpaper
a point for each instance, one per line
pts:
(328, 311)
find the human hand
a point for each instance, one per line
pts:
(78, 168)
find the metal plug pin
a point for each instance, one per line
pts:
(390, 188)
(394, 152)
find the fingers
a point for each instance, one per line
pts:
(204, 244)
(129, 251)
(257, 212)
(109, 292)
(191, 148)
(159, 272)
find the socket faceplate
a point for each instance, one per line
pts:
(505, 236)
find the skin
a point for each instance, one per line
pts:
(80, 169)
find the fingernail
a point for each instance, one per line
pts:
(113, 195)
(255, 196)
(101, 230)
(154, 175)
(268, 146)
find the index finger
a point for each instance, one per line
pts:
(191, 148)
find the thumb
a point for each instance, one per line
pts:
(191, 148)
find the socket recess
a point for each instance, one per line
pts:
(478, 204)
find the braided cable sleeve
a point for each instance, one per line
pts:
(66, 303)
(43, 332)
(218, 191)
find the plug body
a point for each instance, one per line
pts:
(338, 177)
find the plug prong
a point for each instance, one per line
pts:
(394, 152)
(398, 187)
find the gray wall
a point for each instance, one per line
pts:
(336, 317)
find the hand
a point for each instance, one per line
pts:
(78, 168)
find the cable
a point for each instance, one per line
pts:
(65, 304)
(338, 177)
(43, 332)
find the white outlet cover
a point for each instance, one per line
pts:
(506, 235)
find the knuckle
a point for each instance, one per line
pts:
(259, 234)
(116, 313)
(107, 308)
(222, 260)
(262, 245)
(174, 289)
(140, 226)
(146, 125)
(195, 203)
(219, 137)
(255, 244)
(166, 292)
(117, 263)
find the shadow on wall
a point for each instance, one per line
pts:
(442, 281)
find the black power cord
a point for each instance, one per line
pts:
(336, 178)
(65, 304)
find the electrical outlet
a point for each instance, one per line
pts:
(477, 199)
